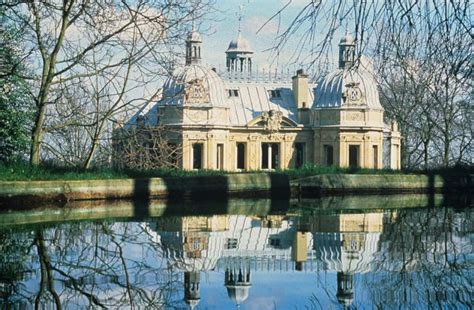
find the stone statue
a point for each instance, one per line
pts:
(272, 120)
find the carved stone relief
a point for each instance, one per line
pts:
(353, 95)
(196, 92)
(272, 120)
(253, 137)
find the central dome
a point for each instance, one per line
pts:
(347, 40)
(194, 85)
(342, 88)
(240, 45)
(238, 293)
(194, 36)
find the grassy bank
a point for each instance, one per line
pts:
(25, 172)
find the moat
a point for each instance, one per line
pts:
(360, 252)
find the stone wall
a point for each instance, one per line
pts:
(252, 185)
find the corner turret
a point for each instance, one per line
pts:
(193, 48)
(346, 52)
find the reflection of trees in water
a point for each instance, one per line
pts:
(15, 266)
(425, 259)
(102, 265)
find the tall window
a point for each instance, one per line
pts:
(220, 156)
(328, 155)
(354, 154)
(197, 155)
(300, 154)
(241, 155)
(270, 155)
(375, 150)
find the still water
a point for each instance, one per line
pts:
(364, 253)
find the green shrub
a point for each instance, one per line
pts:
(17, 171)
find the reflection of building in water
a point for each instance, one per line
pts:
(237, 280)
(346, 243)
(191, 288)
(235, 244)
(238, 244)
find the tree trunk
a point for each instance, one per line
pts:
(47, 280)
(95, 144)
(49, 65)
(37, 137)
(447, 145)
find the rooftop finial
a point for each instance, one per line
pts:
(241, 16)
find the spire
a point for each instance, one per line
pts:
(241, 16)
(193, 48)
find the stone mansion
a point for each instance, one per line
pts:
(239, 121)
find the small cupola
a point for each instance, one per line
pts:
(193, 48)
(239, 53)
(345, 289)
(191, 288)
(346, 52)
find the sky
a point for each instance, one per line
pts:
(222, 26)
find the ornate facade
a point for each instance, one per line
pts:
(237, 121)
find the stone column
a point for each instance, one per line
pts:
(186, 156)
(269, 151)
(343, 153)
(210, 162)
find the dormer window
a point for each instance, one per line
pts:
(233, 92)
(274, 93)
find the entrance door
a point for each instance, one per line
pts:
(270, 155)
(354, 151)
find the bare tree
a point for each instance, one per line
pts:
(423, 56)
(120, 44)
(143, 148)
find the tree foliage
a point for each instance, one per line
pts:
(15, 102)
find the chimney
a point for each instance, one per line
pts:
(301, 96)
